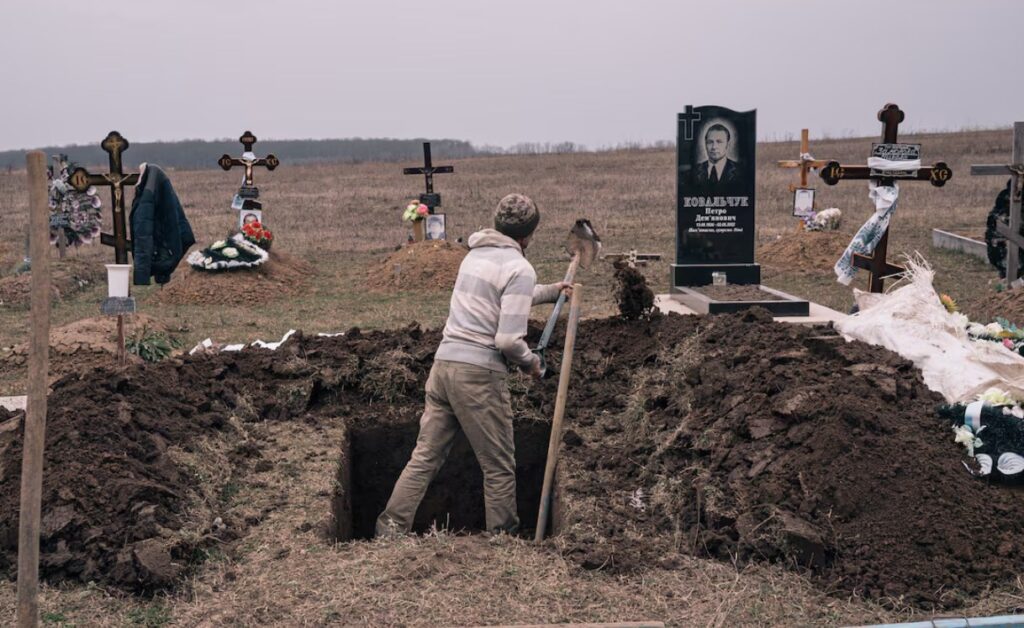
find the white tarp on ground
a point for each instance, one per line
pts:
(911, 321)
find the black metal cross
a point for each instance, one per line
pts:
(249, 161)
(688, 119)
(114, 144)
(1011, 229)
(430, 199)
(876, 264)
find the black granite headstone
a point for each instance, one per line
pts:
(715, 183)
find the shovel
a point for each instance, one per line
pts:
(555, 440)
(584, 245)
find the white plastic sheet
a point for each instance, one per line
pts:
(911, 321)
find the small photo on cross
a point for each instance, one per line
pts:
(248, 216)
(803, 202)
(436, 227)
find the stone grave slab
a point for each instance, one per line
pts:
(715, 212)
(817, 314)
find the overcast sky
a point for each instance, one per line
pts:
(594, 72)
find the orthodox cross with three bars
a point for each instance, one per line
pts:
(430, 199)
(1011, 230)
(805, 163)
(116, 179)
(879, 268)
(248, 160)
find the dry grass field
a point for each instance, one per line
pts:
(342, 219)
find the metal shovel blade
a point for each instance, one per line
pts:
(583, 240)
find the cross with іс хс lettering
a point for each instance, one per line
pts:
(114, 144)
(876, 264)
(1011, 229)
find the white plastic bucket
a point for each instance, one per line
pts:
(117, 279)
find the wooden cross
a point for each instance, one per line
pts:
(248, 160)
(879, 268)
(116, 179)
(633, 258)
(804, 163)
(1011, 230)
(428, 170)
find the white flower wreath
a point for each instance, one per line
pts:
(203, 261)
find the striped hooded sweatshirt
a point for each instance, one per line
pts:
(491, 304)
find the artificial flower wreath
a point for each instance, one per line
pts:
(231, 254)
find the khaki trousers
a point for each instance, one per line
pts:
(475, 400)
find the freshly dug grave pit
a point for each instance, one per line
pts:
(372, 457)
(725, 436)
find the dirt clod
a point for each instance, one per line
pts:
(633, 296)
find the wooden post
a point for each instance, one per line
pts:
(35, 416)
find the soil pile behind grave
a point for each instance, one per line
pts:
(1008, 304)
(729, 436)
(431, 265)
(282, 275)
(82, 345)
(67, 277)
(807, 252)
(740, 438)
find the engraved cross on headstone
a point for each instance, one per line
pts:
(248, 160)
(689, 118)
(1011, 229)
(114, 144)
(430, 199)
(876, 264)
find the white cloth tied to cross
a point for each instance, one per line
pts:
(880, 163)
(867, 237)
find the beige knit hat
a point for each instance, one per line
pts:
(516, 216)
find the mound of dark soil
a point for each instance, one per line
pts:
(729, 436)
(67, 277)
(807, 252)
(431, 265)
(632, 294)
(137, 460)
(283, 275)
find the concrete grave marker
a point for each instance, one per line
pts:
(715, 216)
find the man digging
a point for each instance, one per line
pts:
(467, 388)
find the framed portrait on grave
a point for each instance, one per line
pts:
(247, 216)
(436, 227)
(803, 202)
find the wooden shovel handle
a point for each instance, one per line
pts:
(556, 423)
